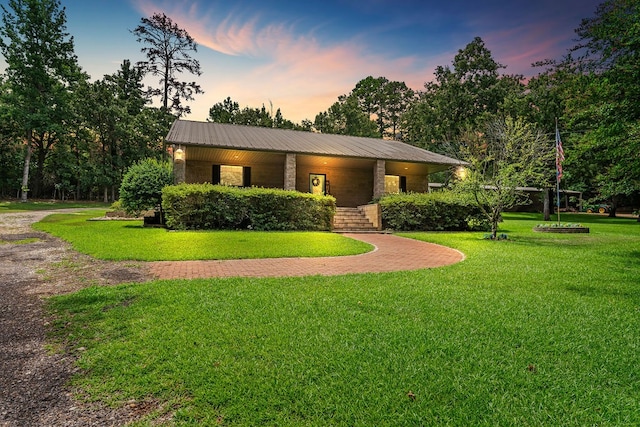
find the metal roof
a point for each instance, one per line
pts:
(220, 135)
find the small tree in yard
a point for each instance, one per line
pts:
(142, 185)
(510, 153)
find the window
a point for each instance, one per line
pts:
(237, 176)
(231, 175)
(395, 184)
(391, 184)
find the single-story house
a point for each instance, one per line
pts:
(354, 170)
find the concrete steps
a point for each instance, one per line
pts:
(351, 220)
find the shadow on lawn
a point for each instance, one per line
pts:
(135, 226)
(604, 290)
(572, 218)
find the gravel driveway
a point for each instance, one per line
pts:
(33, 380)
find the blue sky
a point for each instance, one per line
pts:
(301, 55)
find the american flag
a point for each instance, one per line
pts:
(559, 156)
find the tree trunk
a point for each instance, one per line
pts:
(546, 206)
(495, 219)
(105, 197)
(38, 181)
(25, 171)
(614, 207)
(165, 95)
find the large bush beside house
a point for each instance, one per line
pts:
(207, 206)
(439, 211)
(142, 185)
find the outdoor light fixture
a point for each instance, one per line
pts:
(461, 172)
(178, 156)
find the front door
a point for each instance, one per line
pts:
(318, 184)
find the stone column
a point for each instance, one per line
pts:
(179, 166)
(378, 178)
(290, 172)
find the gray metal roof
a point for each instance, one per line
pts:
(220, 135)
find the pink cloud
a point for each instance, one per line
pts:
(519, 47)
(298, 73)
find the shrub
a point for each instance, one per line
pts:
(439, 211)
(116, 206)
(206, 206)
(142, 185)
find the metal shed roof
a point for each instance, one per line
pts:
(220, 135)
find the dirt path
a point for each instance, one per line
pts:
(33, 265)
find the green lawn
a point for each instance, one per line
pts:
(129, 240)
(537, 330)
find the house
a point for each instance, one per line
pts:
(354, 170)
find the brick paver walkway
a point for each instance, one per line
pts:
(391, 253)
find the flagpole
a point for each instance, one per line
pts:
(558, 170)
(558, 197)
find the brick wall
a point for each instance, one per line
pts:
(417, 183)
(350, 187)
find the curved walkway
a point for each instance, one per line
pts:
(391, 253)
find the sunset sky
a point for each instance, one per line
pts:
(301, 55)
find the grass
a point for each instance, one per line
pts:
(129, 240)
(539, 329)
(10, 206)
(21, 241)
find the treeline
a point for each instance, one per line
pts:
(63, 136)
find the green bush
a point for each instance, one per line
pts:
(439, 211)
(142, 185)
(206, 206)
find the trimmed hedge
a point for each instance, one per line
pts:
(206, 206)
(438, 211)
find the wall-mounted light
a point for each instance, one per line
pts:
(178, 156)
(461, 172)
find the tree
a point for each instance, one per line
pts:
(10, 150)
(397, 99)
(461, 96)
(228, 111)
(506, 154)
(129, 89)
(109, 128)
(224, 112)
(41, 74)
(604, 106)
(168, 50)
(544, 101)
(346, 117)
(384, 101)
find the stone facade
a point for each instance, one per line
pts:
(290, 172)
(378, 179)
